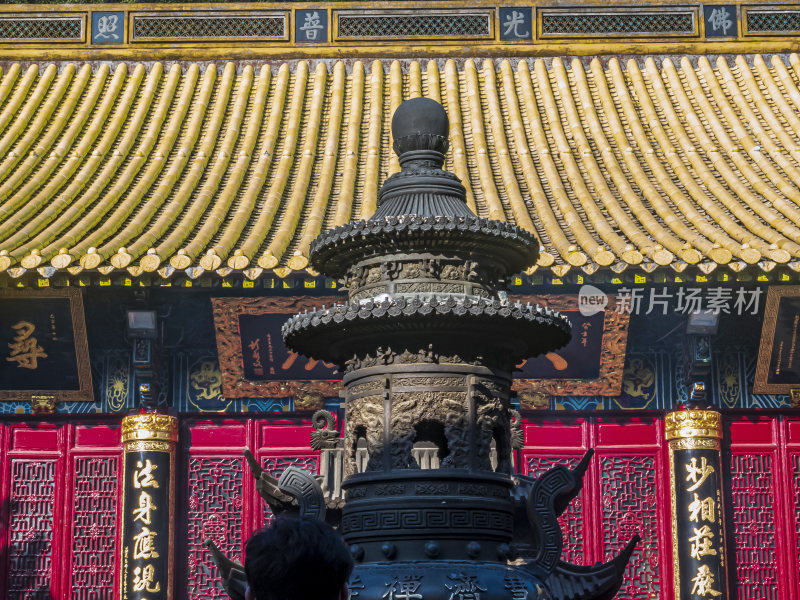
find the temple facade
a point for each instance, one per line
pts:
(165, 169)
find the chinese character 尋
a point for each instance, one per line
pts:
(512, 24)
(143, 476)
(146, 506)
(144, 580)
(720, 18)
(465, 587)
(701, 542)
(404, 587)
(697, 475)
(702, 509)
(144, 544)
(25, 349)
(312, 25)
(107, 27)
(703, 582)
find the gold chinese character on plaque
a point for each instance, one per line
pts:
(702, 509)
(146, 506)
(697, 475)
(25, 349)
(144, 580)
(143, 476)
(701, 542)
(144, 544)
(703, 582)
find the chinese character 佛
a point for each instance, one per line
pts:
(143, 476)
(720, 18)
(25, 349)
(144, 580)
(107, 27)
(697, 475)
(312, 25)
(512, 24)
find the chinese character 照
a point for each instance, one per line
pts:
(720, 19)
(144, 544)
(702, 509)
(701, 542)
(404, 587)
(143, 477)
(146, 506)
(107, 27)
(312, 25)
(464, 587)
(697, 475)
(25, 349)
(143, 580)
(513, 22)
(703, 582)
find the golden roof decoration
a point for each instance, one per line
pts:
(655, 162)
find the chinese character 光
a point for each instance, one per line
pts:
(312, 25)
(464, 587)
(702, 509)
(107, 27)
(143, 476)
(701, 542)
(146, 506)
(512, 24)
(703, 582)
(404, 587)
(720, 18)
(144, 544)
(143, 580)
(25, 349)
(697, 475)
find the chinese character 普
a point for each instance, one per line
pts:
(312, 25)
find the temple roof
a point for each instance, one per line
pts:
(147, 167)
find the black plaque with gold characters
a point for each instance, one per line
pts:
(778, 368)
(43, 348)
(697, 520)
(148, 506)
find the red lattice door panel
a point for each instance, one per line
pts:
(219, 490)
(765, 504)
(58, 516)
(624, 493)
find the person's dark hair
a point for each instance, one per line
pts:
(297, 559)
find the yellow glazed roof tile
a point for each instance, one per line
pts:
(204, 167)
